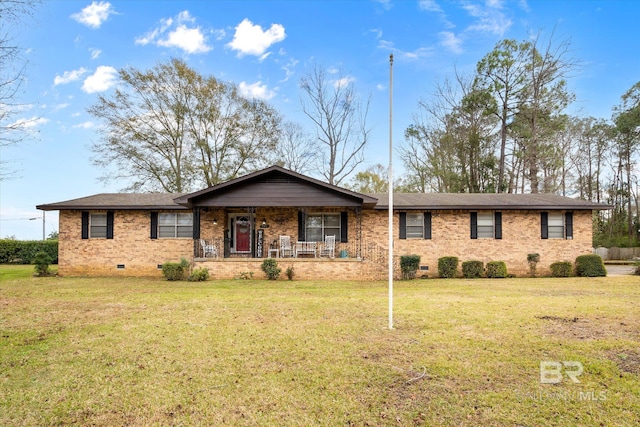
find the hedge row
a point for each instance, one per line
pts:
(24, 251)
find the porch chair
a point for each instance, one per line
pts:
(285, 247)
(329, 248)
(209, 251)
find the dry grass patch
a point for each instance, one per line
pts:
(149, 352)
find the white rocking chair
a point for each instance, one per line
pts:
(285, 247)
(209, 251)
(329, 248)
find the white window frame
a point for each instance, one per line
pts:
(324, 229)
(486, 226)
(555, 225)
(98, 225)
(175, 225)
(415, 225)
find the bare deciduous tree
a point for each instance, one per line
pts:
(339, 119)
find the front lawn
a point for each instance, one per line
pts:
(464, 352)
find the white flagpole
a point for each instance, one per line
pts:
(391, 191)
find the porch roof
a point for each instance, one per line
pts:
(279, 187)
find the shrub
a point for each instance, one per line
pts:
(590, 266)
(199, 275)
(496, 269)
(289, 272)
(173, 271)
(561, 269)
(409, 264)
(24, 251)
(447, 266)
(270, 268)
(533, 260)
(42, 261)
(472, 269)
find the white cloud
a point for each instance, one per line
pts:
(95, 14)
(191, 40)
(95, 53)
(451, 41)
(429, 6)
(85, 125)
(421, 52)
(28, 123)
(343, 82)
(256, 90)
(69, 76)
(59, 107)
(179, 32)
(490, 19)
(289, 69)
(250, 39)
(101, 80)
(381, 87)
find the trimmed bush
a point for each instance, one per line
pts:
(175, 270)
(199, 275)
(42, 261)
(409, 264)
(561, 269)
(172, 271)
(447, 267)
(496, 269)
(590, 266)
(472, 269)
(24, 251)
(270, 268)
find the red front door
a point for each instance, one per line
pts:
(243, 234)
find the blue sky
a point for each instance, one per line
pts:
(74, 49)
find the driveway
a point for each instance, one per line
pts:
(618, 270)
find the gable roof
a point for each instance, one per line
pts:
(466, 201)
(275, 186)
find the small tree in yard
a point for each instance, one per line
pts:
(270, 268)
(533, 260)
(42, 261)
(409, 264)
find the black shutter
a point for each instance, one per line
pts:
(568, 225)
(301, 227)
(427, 225)
(497, 218)
(85, 225)
(474, 225)
(544, 225)
(109, 224)
(154, 225)
(403, 225)
(344, 223)
(196, 223)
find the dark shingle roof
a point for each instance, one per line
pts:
(448, 201)
(118, 201)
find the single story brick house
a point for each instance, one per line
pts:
(231, 227)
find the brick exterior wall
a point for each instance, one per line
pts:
(140, 255)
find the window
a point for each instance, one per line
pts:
(555, 225)
(415, 225)
(98, 225)
(175, 225)
(486, 225)
(317, 226)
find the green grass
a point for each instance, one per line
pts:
(111, 351)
